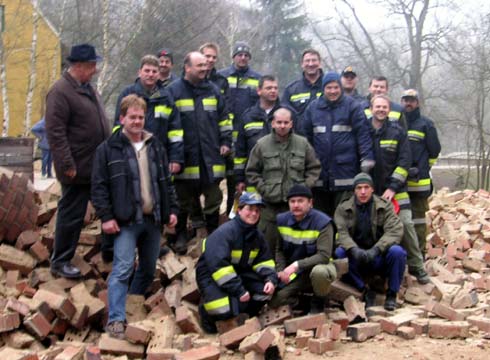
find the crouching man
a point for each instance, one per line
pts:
(369, 234)
(304, 252)
(235, 273)
(134, 197)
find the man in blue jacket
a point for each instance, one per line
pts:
(338, 130)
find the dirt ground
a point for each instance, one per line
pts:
(390, 347)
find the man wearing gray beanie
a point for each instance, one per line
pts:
(369, 233)
(338, 130)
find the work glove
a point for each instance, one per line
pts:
(372, 253)
(359, 255)
(367, 165)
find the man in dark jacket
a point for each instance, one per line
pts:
(369, 234)
(166, 64)
(337, 128)
(162, 116)
(304, 252)
(349, 83)
(134, 197)
(235, 273)
(300, 93)
(425, 147)
(75, 125)
(207, 139)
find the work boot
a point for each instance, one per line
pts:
(317, 305)
(212, 221)
(180, 246)
(208, 325)
(421, 275)
(370, 298)
(390, 301)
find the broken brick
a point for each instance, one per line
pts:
(363, 331)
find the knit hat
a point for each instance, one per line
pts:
(329, 77)
(250, 198)
(363, 178)
(300, 190)
(241, 46)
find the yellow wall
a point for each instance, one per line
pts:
(17, 39)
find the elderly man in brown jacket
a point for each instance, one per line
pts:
(75, 125)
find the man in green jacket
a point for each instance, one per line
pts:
(278, 161)
(369, 234)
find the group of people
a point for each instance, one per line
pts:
(320, 173)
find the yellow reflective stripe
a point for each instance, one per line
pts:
(432, 161)
(269, 264)
(368, 113)
(232, 81)
(162, 111)
(416, 134)
(236, 255)
(185, 104)
(300, 96)
(400, 173)
(225, 125)
(210, 104)
(388, 142)
(218, 306)
(175, 135)
(254, 125)
(402, 198)
(318, 94)
(254, 253)
(115, 128)
(251, 189)
(422, 182)
(224, 274)
(249, 82)
(240, 160)
(191, 172)
(419, 186)
(203, 246)
(292, 276)
(298, 236)
(394, 115)
(218, 171)
(234, 135)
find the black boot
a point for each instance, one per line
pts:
(317, 305)
(212, 222)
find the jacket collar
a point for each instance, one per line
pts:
(317, 83)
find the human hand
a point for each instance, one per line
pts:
(388, 194)
(240, 187)
(224, 150)
(245, 297)
(372, 253)
(110, 227)
(71, 173)
(283, 277)
(174, 167)
(269, 288)
(172, 221)
(359, 255)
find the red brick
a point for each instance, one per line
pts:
(444, 311)
(339, 317)
(203, 353)
(340, 291)
(275, 316)
(302, 337)
(29, 291)
(112, 346)
(79, 320)
(186, 320)
(307, 322)
(253, 355)
(421, 326)
(39, 251)
(71, 353)
(258, 342)
(482, 323)
(9, 321)
(16, 354)
(233, 337)
(82, 265)
(15, 259)
(12, 277)
(406, 332)
(92, 352)
(229, 324)
(354, 309)
(139, 332)
(18, 306)
(37, 325)
(440, 329)
(80, 294)
(320, 346)
(392, 323)
(329, 330)
(59, 326)
(26, 239)
(62, 306)
(363, 331)
(157, 299)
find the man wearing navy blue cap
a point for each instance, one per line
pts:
(166, 59)
(235, 273)
(336, 126)
(75, 125)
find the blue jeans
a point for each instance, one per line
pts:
(145, 237)
(46, 162)
(390, 265)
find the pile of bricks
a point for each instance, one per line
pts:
(42, 317)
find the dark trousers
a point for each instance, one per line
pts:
(390, 265)
(327, 201)
(69, 222)
(46, 163)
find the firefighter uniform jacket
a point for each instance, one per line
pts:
(339, 133)
(162, 119)
(393, 159)
(232, 254)
(425, 147)
(309, 241)
(300, 93)
(206, 127)
(255, 124)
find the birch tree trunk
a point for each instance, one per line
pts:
(33, 72)
(3, 82)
